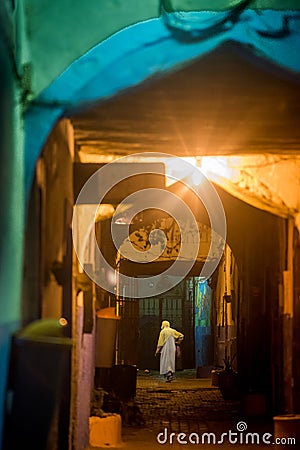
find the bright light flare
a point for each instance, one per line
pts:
(176, 171)
(216, 167)
(212, 167)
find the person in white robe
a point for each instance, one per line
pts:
(166, 347)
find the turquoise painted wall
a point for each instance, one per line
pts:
(12, 211)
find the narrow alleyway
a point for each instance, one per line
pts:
(191, 406)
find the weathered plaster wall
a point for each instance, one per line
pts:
(226, 312)
(268, 182)
(83, 363)
(56, 181)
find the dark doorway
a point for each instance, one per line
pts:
(176, 306)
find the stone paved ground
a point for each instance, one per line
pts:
(186, 405)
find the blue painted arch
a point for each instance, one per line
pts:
(154, 48)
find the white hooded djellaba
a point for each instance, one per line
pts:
(167, 347)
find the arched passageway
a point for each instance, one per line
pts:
(250, 233)
(56, 101)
